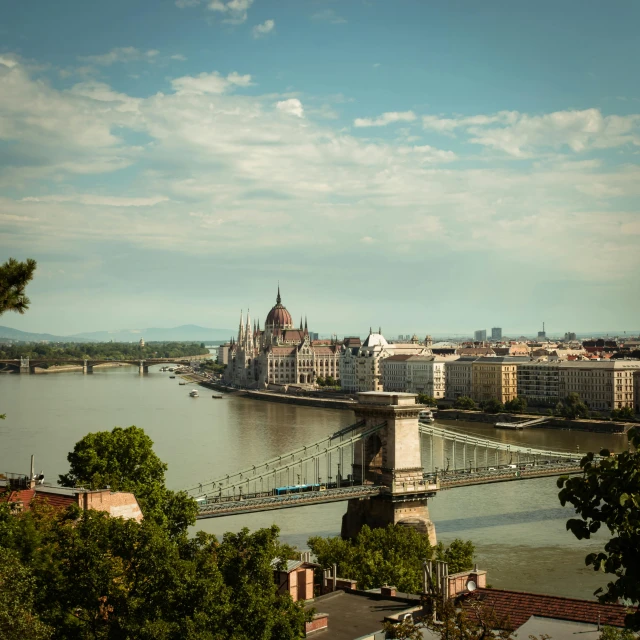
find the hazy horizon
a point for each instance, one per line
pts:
(424, 167)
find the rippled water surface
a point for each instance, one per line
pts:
(518, 527)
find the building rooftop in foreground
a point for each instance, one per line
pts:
(353, 615)
(519, 606)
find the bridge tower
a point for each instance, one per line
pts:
(86, 367)
(390, 458)
(143, 368)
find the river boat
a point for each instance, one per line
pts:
(426, 416)
(217, 397)
(172, 377)
(194, 393)
(182, 382)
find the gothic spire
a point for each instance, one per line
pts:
(241, 328)
(278, 298)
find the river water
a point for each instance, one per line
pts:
(518, 527)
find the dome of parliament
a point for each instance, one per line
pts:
(279, 316)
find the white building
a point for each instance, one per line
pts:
(458, 377)
(360, 366)
(414, 374)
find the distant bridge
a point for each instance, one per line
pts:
(28, 365)
(386, 465)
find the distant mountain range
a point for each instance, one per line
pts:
(184, 333)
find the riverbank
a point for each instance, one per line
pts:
(595, 426)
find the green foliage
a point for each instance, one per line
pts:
(492, 406)
(320, 381)
(465, 402)
(430, 401)
(210, 365)
(613, 633)
(626, 413)
(609, 494)
(124, 460)
(483, 623)
(14, 277)
(101, 350)
(393, 555)
(97, 577)
(516, 405)
(572, 407)
(330, 381)
(17, 618)
(405, 630)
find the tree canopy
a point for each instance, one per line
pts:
(124, 460)
(465, 402)
(391, 555)
(424, 398)
(609, 494)
(14, 277)
(572, 407)
(88, 576)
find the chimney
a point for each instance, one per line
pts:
(388, 592)
(32, 474)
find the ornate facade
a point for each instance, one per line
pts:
(280, 354)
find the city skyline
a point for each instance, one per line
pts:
(461, 166)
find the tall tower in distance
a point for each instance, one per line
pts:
(496, 333)
(542, 335)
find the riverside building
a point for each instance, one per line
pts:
(414, 374)
(458, 377)
(495, 378)
(361, 366)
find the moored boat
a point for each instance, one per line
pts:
(194, 393)
(426, 416)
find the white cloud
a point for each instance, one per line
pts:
(263, 29)
(235, 11)
(178, 56)
(103, 201)
(121, 54)
(183, 4)
(328, 15)
(261, 179)
(210, 83)
(8, 62)
(523, 135)
(367, 240)
(292, 106)
(385, 119)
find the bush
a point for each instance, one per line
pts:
(492, 406)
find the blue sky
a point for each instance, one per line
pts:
(424, 166)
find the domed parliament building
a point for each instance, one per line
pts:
(280, 354)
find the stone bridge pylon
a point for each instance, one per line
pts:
(390, 458)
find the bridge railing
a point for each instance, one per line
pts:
(312, 464)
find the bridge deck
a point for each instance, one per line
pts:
(506, 475)
(217, 509)
(268, 503)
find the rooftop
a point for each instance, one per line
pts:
(352, 615)
(519, 607)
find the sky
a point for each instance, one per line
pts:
(435, 166)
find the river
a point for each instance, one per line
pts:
(518, 527)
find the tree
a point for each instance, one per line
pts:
(465, 402)
(391, 555)
(625, 413)
(613, 633)
(330, 381)
(14, 277)
(320, 381)
(492, 406)
(17, 587)
(124, 460)
(609, 494)
(572, 407)
(430, 401)
(516, 405)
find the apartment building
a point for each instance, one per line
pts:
(602, 385)
(495, 378)
(539, 382)
(458, 377)
(636, 390)
(414, 374)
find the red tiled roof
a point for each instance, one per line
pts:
(56, 500)
(24, 495)
(518, 607)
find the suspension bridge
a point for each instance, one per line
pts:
(386, 465)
